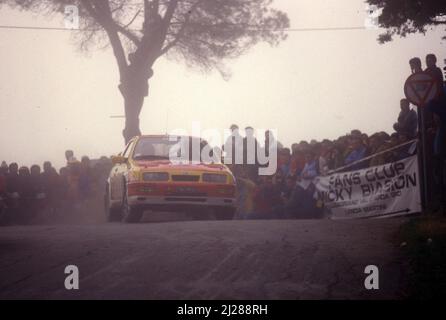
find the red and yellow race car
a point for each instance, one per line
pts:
(144, 177)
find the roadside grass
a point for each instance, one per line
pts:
(423, 241)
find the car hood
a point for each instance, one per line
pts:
(169, 165)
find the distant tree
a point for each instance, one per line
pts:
(403, 17)
(202, 33)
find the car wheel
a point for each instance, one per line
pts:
(112, 214)
(225, 213)
(129, 213)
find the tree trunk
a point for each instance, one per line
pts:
(133, 103)
(134, 88)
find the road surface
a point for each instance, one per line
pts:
(296, 259)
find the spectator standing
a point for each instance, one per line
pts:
(439, 149)
(336, 159)
(3, 174)
(12, 179)
(233, 149)
(324, 158)
(415, 65)
(283, 161)
(440, 101)
(62, 193)
(250, 149)
(267, 199)
(12, 190)
(36, 182)
(73, 175)
(25, 191)
(302, 203)
(297, 161)
(69, 155)
(4, 168)
(290, 183)
(311, 168)
(271, 147)
(50, 180)
(406, 149)
(245, 197)
(38, 198)
(357, 152)
(432, 69)
(271, 143)
(85, 178)
(407, 120)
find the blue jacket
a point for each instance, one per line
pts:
(354, 156)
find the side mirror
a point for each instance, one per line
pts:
(118, 159)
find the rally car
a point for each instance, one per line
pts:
(144, 177)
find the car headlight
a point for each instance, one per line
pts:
(134, 176)
(156, 176)
(214, 178)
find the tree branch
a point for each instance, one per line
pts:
(436, 22)
(183, 27)
(130, 35)
(133, 19)
(115, 41)
(169, 12)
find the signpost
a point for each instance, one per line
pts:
(421, 88)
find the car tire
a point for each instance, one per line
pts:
(129, 213)
(112, 214)
(225, 213)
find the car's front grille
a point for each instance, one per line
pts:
(190, 194)
(188, 178)
(173, 199)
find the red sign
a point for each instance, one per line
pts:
(420, 88)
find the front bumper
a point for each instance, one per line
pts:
(179, 201)
(173, 195)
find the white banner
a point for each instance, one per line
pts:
(389, 190)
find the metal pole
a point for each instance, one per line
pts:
(424, 156)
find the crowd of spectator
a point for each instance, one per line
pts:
(28, 193)
(290, 193)
(287, 193)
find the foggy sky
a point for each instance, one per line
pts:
(315, 85)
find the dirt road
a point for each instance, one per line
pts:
(313, 259)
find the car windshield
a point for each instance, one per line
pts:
(155, 148)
